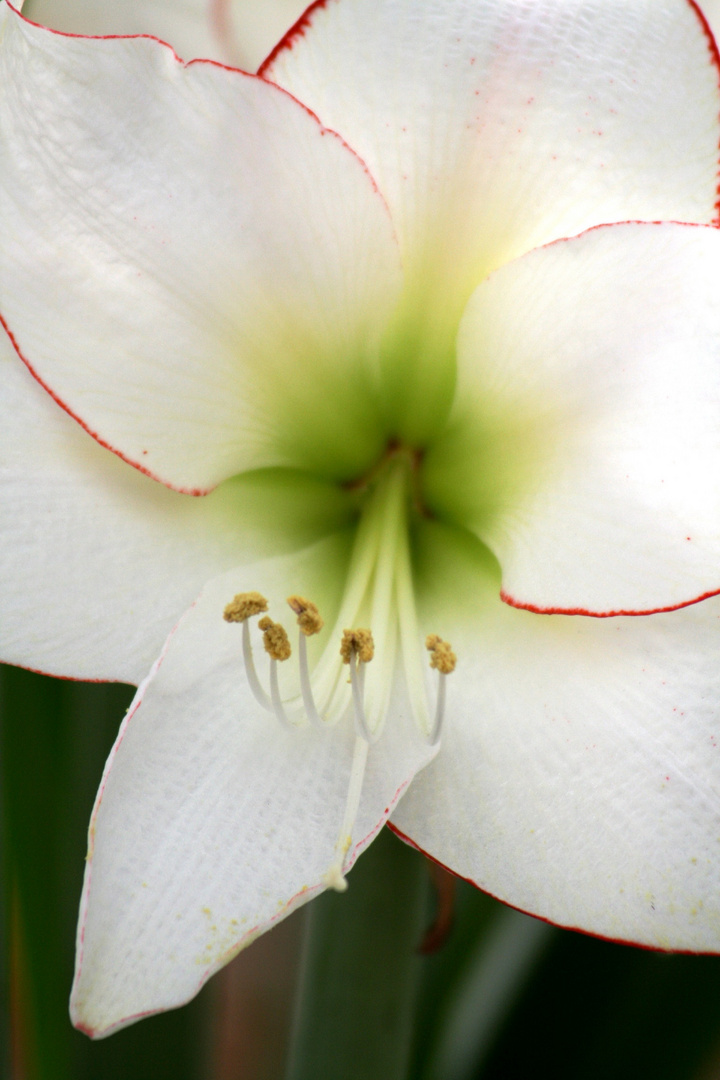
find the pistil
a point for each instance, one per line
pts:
(334, 878)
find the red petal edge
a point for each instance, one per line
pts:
(560, 926)
(296, 31)
(715, 60)
(303, 24)
(538, 610)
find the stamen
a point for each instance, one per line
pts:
(357, 678)
(357, 649)
(244, 606)
(327, 673)
(275, 639)
(309, 622)
(443, 659)
(334, 878)
(241, 608)
(277, 646)
(379, 588)
(358, 642)
(309, 619)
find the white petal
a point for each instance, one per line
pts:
(494, 127)
(204, 255)
(597, 361)
(185, 24)
(240, 32)
(212, 821)
(97, 561)
(579, 774)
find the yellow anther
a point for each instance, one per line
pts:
(358, 642)
(275, 639)
(244, 606)
(308, 616)
(441, 655)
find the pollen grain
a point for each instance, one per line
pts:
(357, 642)
(442, 658)
(244, 606)
(308, 617)
(275, 639)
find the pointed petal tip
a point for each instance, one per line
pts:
(102, 1029)
(82, 1027)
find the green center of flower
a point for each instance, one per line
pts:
(398, 540)
(389, 572)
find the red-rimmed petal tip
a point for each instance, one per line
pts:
(213, 821)
(534, 121)
(181, 273)
(599, 355)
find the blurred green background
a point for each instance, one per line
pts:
(504, 996)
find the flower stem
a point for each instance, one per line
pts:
(360, 970)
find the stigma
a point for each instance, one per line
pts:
(326, 685)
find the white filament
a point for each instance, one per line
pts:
(305, 686)
(436, 730)
(277, 705)
(357, 679)
(273, 702)
(258, 693)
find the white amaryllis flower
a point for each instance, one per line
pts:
(393, 370)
